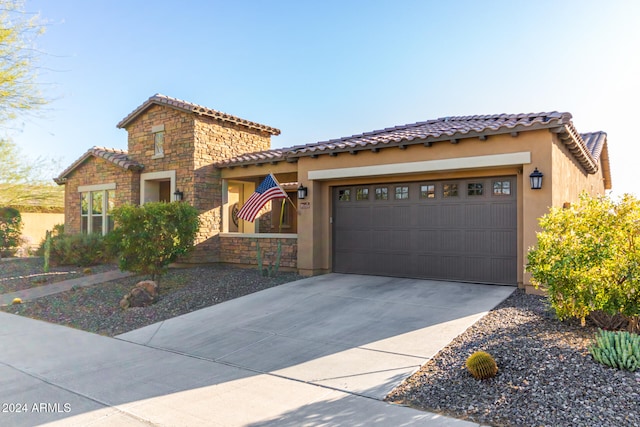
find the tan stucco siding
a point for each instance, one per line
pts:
(569, 179)
(498, 155)
(314, 226)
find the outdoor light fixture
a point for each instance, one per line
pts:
(536, 179)
(178, 195)
(302, 192)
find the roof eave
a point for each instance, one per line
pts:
(307, 151)
(570, 137)
(199, 110)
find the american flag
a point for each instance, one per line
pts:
(268, 190)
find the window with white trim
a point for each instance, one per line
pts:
(95, 211)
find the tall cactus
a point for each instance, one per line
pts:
(47, 250)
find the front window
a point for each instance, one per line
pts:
(95, 211)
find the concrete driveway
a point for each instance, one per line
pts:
(320, 351)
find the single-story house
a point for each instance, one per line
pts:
(452, 198)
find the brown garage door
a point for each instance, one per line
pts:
(450, 230)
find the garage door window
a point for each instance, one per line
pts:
(450, 190)
(502, 188)
(344, 195)
(362, 193)
(474, 189)
(402, 192)
(382, 193)
(428, 191)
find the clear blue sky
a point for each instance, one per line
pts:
(319, 70)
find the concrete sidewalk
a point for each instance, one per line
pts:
(65, 285)
(320, 351)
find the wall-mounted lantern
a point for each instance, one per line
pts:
(302, 192)
(536, 179)
(178, 196)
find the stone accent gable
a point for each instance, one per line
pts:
(193, 144)
(178, 139)
(95, 171)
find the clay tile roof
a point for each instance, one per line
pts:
(189, 107)
(116, 156)
(268, 156)
(594, 142)
(441, 129)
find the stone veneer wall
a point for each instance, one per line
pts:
(192, 144)
(215, 140)
(243, 250)
(95, 171)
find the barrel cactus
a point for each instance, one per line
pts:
(482, 365)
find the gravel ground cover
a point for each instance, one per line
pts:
(17, 274)
(546, 376)
(96, 308)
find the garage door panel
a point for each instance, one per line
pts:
(380, 237)
(400, 240)
(477, 241)
(356, 216)
(401, 216)
(471, 236)
(451, 241)
(381, 216)
(425, 241)
(355, 240)
(503, 242)
(476, 214)
(503, 214)
(427, 216)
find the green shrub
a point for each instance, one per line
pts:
(10, 230)
(618, 349)
(80, 249)
(151, 236)
(587, 258)
(482, 365)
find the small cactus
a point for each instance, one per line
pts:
(482, 365)
(618, 349)
(87, 270)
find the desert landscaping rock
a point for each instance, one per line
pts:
(546, 376)
(144, 294)
(97, 308)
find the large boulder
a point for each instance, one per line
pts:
(143, 294)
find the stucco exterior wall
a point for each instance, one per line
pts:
(36, 224)
(95, 171)
(314, 224)
(569, 179)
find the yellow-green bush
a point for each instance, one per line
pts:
(587, 258)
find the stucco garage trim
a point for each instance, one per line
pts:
(493, 160)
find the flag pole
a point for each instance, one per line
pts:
(288, 198)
